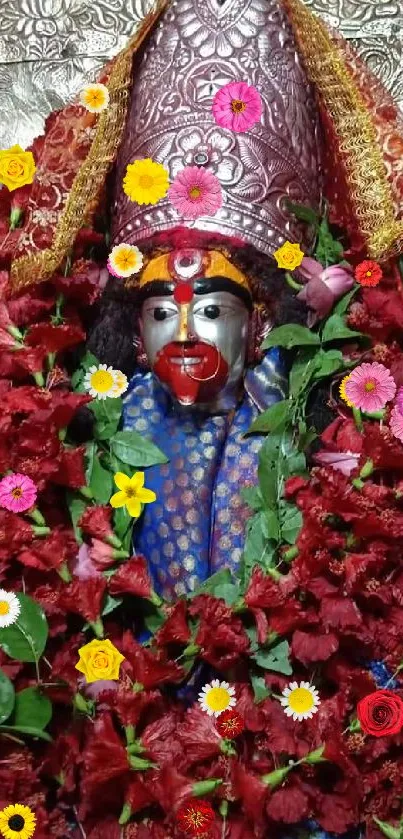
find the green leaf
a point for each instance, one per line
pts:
(302, 371)
(107, 413)
(270, 525)
(274, 419)
(32, 709)
(335, 329)
(329, 250)
(327, 363)
(253, 497)
(110, 604)
(123, 526)
(257, 549)
(100, 482)
(77, 506)
(290, 521)
(154, 621)
(25, 640)
(136, 450)
(276, 658)
(228, 592)
(260, 688)
(89, 458)
(300, 211)
(342, 305)
(87, 361)
(290, 335)
(7, 697)
(220, 578)
(28, 729)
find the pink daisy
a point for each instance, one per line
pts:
(17, 493)
(370, 386)
(237, 106)
(195, 192)
(396, 423)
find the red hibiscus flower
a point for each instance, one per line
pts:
(195, 817)
(198, 736)
(175, 629)
(84, 597)
(132, 578)
(381, 713)
(96, 522)
(230, 724)
(368, 273)
(147, 669)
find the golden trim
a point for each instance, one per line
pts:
(370, 191)
(87, 184)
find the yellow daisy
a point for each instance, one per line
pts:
(289, 256)
(132, 493)
(342, 391)
(95, 97)
(121, 384)
(125, 260)
(217, 697)
(17, 822)
(146, 182)
(100, 381)
(300, 701)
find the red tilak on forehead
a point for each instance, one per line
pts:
(183, 292)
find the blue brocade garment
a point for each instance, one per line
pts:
(197, 524)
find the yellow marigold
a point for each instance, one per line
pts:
(146, 182)
(17, 167)
(95, 97)
(289, 256)
(99, 660)
(342, 391)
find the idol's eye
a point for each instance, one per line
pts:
(160, 313)
(212, 312)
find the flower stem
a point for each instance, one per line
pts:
(15, 332)
(125, 814)
(64, 573)
(292, 283)
(97, 627)
(357, 418)
(41, 531)
(201, 788)
(36, 516)
(39, 379)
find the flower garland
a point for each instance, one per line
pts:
(305, 645)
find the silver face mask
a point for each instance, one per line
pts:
(197, 349)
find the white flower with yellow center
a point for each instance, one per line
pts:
(95, 97)
(121, 383)
(100, 381)
(217, 697)
(124, 260)
(300, 701)
(10, 608)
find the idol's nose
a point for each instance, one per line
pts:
(185, 333)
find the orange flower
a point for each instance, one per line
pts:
(368, 273)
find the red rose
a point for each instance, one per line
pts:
(380, 713)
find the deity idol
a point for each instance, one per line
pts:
(188, 327)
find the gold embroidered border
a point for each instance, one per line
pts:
(36, 267)
(370, 190)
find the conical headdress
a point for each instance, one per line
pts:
(196, 48)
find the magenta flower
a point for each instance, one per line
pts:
(17, 493)
(237, 106)
(370, 386)
(195, 192)
(324, 286)
(399, 399)
(396, 423)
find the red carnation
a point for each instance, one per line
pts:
(54, 338)
(84, 597)
(262, 591)
(148, 669)
(368, 273)
(198, 736)
(175, 629)
(230, 724)
(96, 522)
(132, 577)
(195, 817)
(380, 713)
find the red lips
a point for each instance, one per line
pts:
(194, 372)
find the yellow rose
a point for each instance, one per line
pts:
(289, 256)
(17, 167)
(99, 660)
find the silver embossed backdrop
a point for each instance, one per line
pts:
(50, 48)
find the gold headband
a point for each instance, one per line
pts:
(215, 264)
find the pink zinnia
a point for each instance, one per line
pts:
(370, 386)
(17, 493)
(195, 192)
(237, 106)
(396, 423)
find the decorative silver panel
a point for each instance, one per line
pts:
(50, 48)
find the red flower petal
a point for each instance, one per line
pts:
(195, 817)
(132, 577)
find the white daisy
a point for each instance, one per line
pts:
(10, 608)
(100, 381)
(217, 697)
(95, 97)
(121, 383)
(300, 701)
